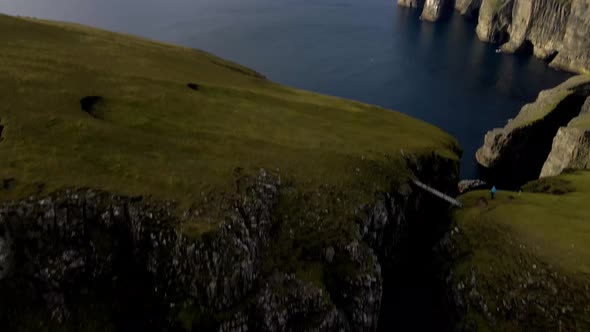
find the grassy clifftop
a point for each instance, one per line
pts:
(151, 134)
(522, 261)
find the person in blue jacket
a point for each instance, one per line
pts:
(493, 192)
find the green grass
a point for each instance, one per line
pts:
(527, 255)
(153, 136)
(553, 220)
(547, 102)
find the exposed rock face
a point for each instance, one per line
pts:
(519, 150)
(571, 149)
(552, 27)
(574, 52)
(468, 8)
(494, 19)
(142, 261)
(411, 3)
(469, 185)
(540, 22)
(586, 107)
(432, 10)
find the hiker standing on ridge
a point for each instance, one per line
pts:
(493, 192)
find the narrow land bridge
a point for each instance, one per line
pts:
(438, 193)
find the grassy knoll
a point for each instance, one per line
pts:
(525, 258)
(153, 135)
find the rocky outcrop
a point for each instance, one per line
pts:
(411, 3)
(575, 47)
(469, 8)
(570, 150)
(432, 10)
(78, 256)
(469, 185)
(553, 28)
(541, 23)
(571, 145)
(586, 107)
(494, 20)
(518, 150)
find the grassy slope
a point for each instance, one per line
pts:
(547, 102)
(154, 136)
(546, 226)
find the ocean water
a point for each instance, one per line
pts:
(369, 50)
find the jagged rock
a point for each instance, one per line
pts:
(494, 19)
(540, 22)
(574, 54)
(469, 185)
(586, 107)
(571, 149)
(432, 10)
(411, 3)
(552, 27)
(519, 150)
(468, 8)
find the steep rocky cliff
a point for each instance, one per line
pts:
(571, 145)
(557, 30)
(411, 3)
(218, 200)
(433, 10)
(553, 28)
(82, 258)
(515, 154)
(468, 8)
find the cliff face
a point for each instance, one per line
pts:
(82, 257)
(573, 55)
(571, 149)
(571, 145)
(433, 10)
(411, 3)
(517, 151)
(552, 27)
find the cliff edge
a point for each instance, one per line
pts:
(518, 151)
(145, 186)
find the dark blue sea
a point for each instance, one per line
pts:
(367, 50)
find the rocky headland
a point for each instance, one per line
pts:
(556, 30)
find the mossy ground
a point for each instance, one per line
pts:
(547, 102)
(532, 246)
(153, 135)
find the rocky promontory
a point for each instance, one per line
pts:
(551, 29)
(571, 145)
(519, 150)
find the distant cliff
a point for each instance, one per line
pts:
(558, 30)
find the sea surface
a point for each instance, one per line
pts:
(367, 50)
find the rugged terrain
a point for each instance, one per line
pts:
(516, 153)
(520, 262)
(556, 30)
(145, 186)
